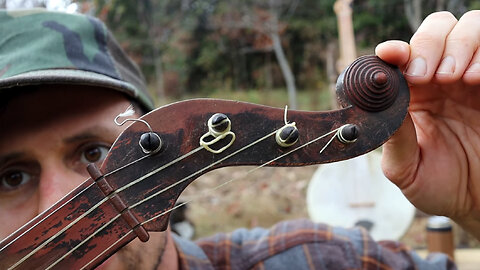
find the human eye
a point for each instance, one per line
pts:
(13, 180)
(93, 153)
(18, 178)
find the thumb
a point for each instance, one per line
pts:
(401, 155)
(395, 52)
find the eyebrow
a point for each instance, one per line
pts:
(97, 132)
(93, 132)
(12, 156)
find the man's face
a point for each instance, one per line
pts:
(47, 138)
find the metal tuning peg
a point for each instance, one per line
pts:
(348, 133)
(219, 124)
(288, 134)
(150, 143)
(219, 127)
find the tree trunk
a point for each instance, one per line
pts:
(149, 16)
(273, 30)
(457, 7)
(440, 5)
(413, 12)
(157, 64)
(331, 73)
(268, 71)
(346, 37)
(286, 71)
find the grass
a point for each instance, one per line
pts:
(312, 100)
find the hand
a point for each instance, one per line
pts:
(435, 156)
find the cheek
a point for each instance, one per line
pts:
(15, 215)
(140, 255)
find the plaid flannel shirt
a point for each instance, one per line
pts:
(301, 244)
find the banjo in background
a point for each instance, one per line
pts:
(355, 192)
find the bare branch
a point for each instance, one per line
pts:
(286, 70)
(413, 12)
(292, 8)
(440, 5)
(457, 7)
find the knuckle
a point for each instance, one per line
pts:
(460, 41)
(423, 39)
(441, 15)
(471, 15)
(434, 28)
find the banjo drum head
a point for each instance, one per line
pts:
(356, 193)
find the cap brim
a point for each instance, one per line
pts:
(76, 77)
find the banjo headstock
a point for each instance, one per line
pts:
(200, 135)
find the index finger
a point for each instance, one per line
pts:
(427, 46)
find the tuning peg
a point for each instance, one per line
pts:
(150, 142)
(287, 135)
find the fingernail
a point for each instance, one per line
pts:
(447, 66)
(417, 68)
(474, 68)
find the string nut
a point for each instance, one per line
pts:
(150, 143)
(287, 135)
(348, 133)
(219, 122)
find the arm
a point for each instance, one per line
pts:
(435, 156)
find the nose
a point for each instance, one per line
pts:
(56, 181)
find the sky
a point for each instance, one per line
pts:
(61, 5)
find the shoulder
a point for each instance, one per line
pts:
(302, 244)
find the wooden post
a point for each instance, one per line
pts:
(346, 38)
(348, 53)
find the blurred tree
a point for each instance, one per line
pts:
(205, 45)
(416, 10)
(263, 18)
(377, 20)
(253, 31)
(156, 34)
(457, 7)
(272, 27)
(132, 23)
(413, 12)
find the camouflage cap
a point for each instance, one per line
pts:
(44, 47)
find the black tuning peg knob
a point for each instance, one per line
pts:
(287, 135)
(219, 122)
(150, 142)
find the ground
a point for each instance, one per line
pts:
(266, 196)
